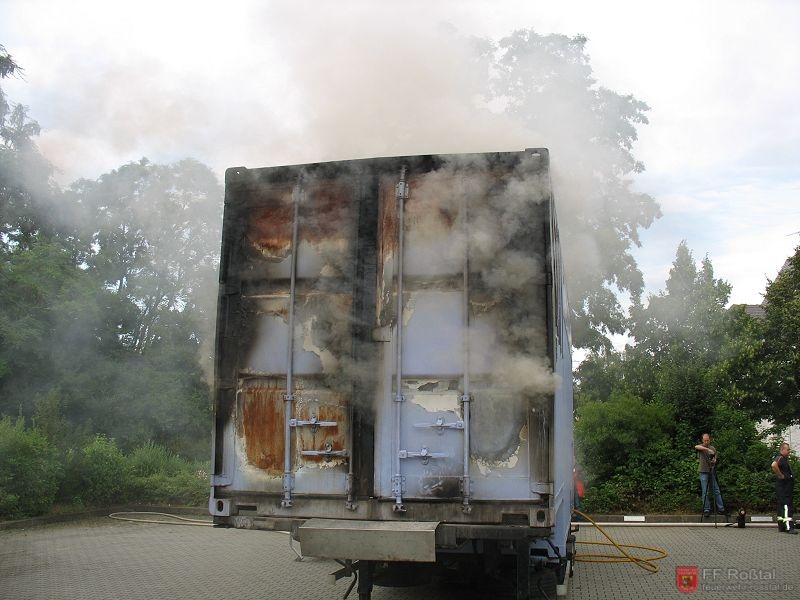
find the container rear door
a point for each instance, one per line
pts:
(292, 243)
(471, 336)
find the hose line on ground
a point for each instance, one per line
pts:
(643, 563)
(176, 520)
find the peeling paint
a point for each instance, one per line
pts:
(434, 403)
(326, 357)
(491, 467)
(409, 305)
(486, 466)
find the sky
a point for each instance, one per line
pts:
(249, 83)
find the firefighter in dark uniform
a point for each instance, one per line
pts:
(784, 488)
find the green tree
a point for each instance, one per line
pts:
(630, 455)
(778, 349)
(690, 318)
(743, 471)
(156, 242)
(546, 82)
(25, 176)
(107, 295)
(52, 321)
(742, 366)
(680, 340)
(67, 338)
(687, 347)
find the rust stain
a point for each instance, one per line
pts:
(310, 439)
(269, 226)
(423, 205)
(325, 215)
(328, 210)
(274, 306)
(387, 247)
(388, 221)
(262, 426)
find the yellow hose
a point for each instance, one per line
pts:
(644, 563)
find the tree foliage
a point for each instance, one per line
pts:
(688, 319)
(609, 439)
(678, 368)
(546, 82)
(781, 349)
(107, 294)
(766, 361)
(154, 241)
(25, 176)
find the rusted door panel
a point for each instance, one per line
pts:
(260, 429)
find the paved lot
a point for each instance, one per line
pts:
(105, 559)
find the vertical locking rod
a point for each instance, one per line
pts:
(401, 192)
(466, 398)
(288, 484)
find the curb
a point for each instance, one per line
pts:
(685, 519)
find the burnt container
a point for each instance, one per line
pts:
(392, 371)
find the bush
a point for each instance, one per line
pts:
(29, 471)
(151, 459)
(189, 487)
(160, 476)
(101, 472)
(612, 435)
(33, 474)
(604, 498)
